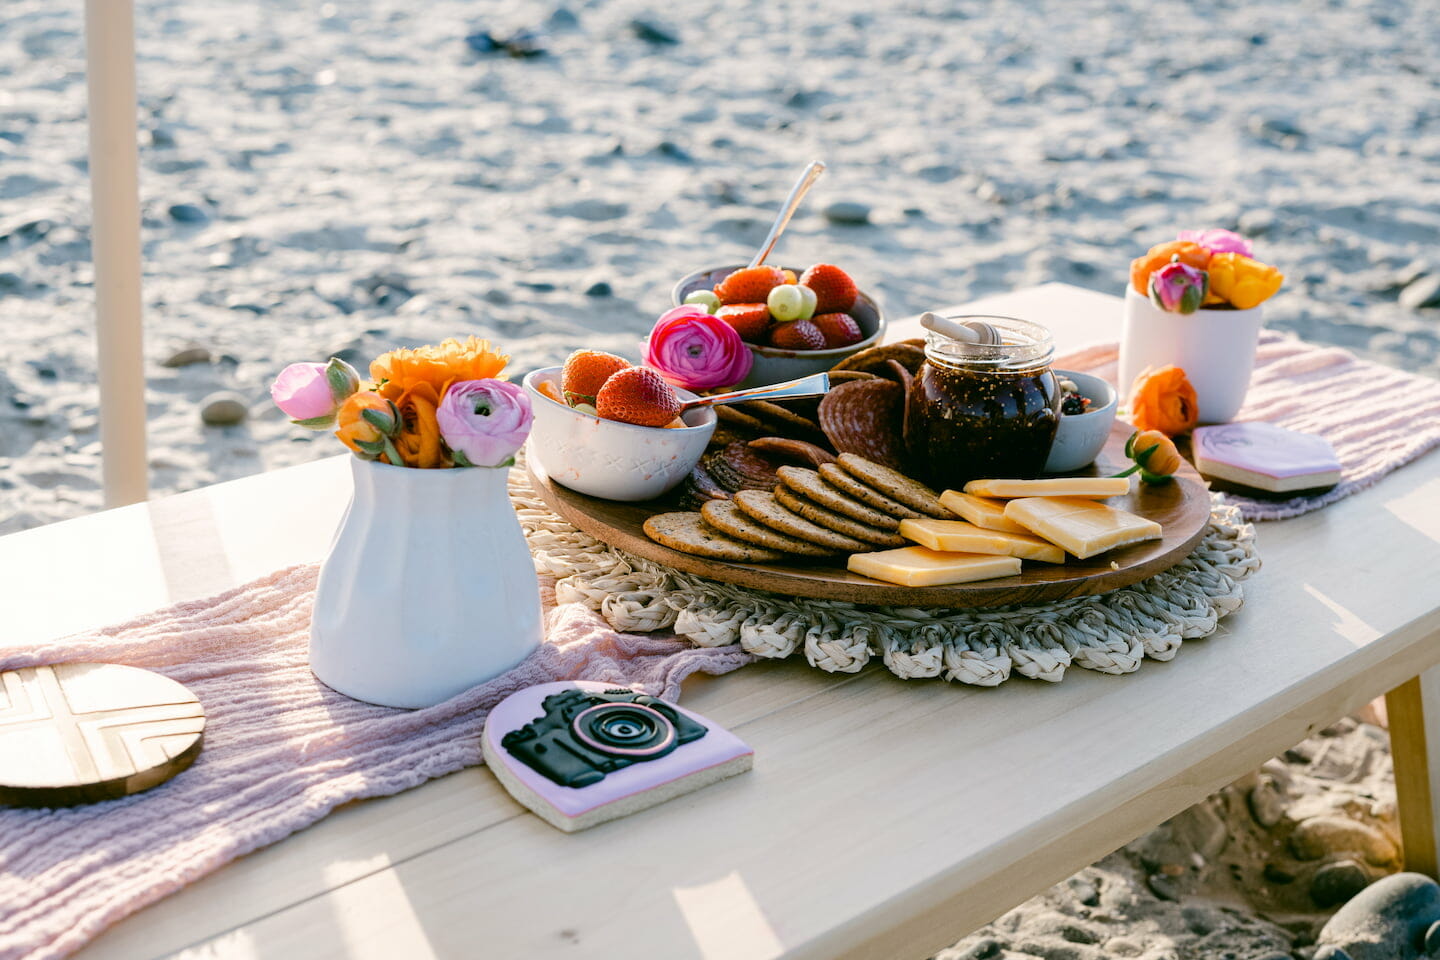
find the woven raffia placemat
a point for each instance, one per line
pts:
(1111, 633)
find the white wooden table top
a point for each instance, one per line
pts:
(883, 818)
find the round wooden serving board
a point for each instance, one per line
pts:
(1181, 507)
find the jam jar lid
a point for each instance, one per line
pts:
(1023, 345)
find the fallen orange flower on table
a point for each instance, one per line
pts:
(1163, 400)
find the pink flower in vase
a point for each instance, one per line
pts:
(1178, 287)
(311, 393)
(1218, 241)
(484, 422)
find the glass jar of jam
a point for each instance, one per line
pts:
(981, 411)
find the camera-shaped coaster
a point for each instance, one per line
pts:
(579, 752)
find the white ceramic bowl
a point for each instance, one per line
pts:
(609, 459)
(774, 365)
(1080, 438)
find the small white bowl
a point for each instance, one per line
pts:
(609, 459)
(1080, 437)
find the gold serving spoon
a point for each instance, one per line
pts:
(814, 385)
(797, 193)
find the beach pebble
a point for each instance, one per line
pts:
(848, 213)
(1085, 891)
(1163, 886)
(186, 356)
(162, 137)
(1388, 920)
(591, 208)
(1337, 882)
(223, 409)
(652, 31)
(599, 289)
(1424, 292)
(1267, 801)
(188, 213)
(562, 19)
(1326, 835)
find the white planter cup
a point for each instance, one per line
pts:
(1215, 348)
(428, 589)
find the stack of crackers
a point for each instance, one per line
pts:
(851, 505)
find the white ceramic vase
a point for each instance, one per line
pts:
(1215, 348)
(428, 588)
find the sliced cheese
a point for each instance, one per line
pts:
(1094, 488)
(923, 567)
(957, 536)
(1082, 527)
(981, 511)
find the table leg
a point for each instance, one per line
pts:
(1414, 710)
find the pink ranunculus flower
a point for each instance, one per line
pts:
(695, 350)
(484, 422)
(1218, 241)
(1178, 287)
(311, 393)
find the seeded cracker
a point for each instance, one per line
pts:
(812, 486)
(836, 476)
(688, 533)
(838, 522)
(724, 516)
(762, 506)
(895, 484)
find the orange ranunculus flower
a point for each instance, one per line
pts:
(419, 438)
(1191, 254)
(1242, 282)
(359, 434)
(1155, 453)
(438, 365)
(1163, 400)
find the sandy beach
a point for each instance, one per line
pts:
(339, 179)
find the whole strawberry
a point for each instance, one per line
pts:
(839, 329)
(749, 284)
(585, 372)
(750, 320)
(797, 335)
(638, 395)
(835, 292)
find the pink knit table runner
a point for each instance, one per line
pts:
(281, 749)
(1376, 417)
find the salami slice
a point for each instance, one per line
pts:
(866, 417)
(737, 467)
(798, 451)
(874, 360)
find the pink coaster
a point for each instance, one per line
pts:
(1266, 457)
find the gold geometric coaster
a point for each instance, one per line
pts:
(84, 732)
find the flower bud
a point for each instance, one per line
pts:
(342, 378)
(1178, 287)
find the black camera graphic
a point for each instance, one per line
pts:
(584, 736)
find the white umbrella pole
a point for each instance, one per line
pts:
(115, 245)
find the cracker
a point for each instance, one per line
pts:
(791, 449)
(761, 505)
(836, 476)
(895, 485)
(727, 415)
(688, 533)
(838, 522)
(813, 487)
(845, 376)
(788, 421)
(730, 520)
(874, 359)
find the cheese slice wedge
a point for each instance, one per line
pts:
(957, 536)
(1094, 488)
(981, 511)
(923, 567)
(1082, 527)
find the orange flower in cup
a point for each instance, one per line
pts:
(438, 365)
(1163, 400)
(418, 441)
(1190, 254)
(364, 423)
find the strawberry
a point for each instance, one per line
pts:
(798, 335)
(749, 284)
(585, 372)
(839, 329)
(750, 320)
(638, 395)
(835, 292)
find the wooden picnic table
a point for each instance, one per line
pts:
(883, 818)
